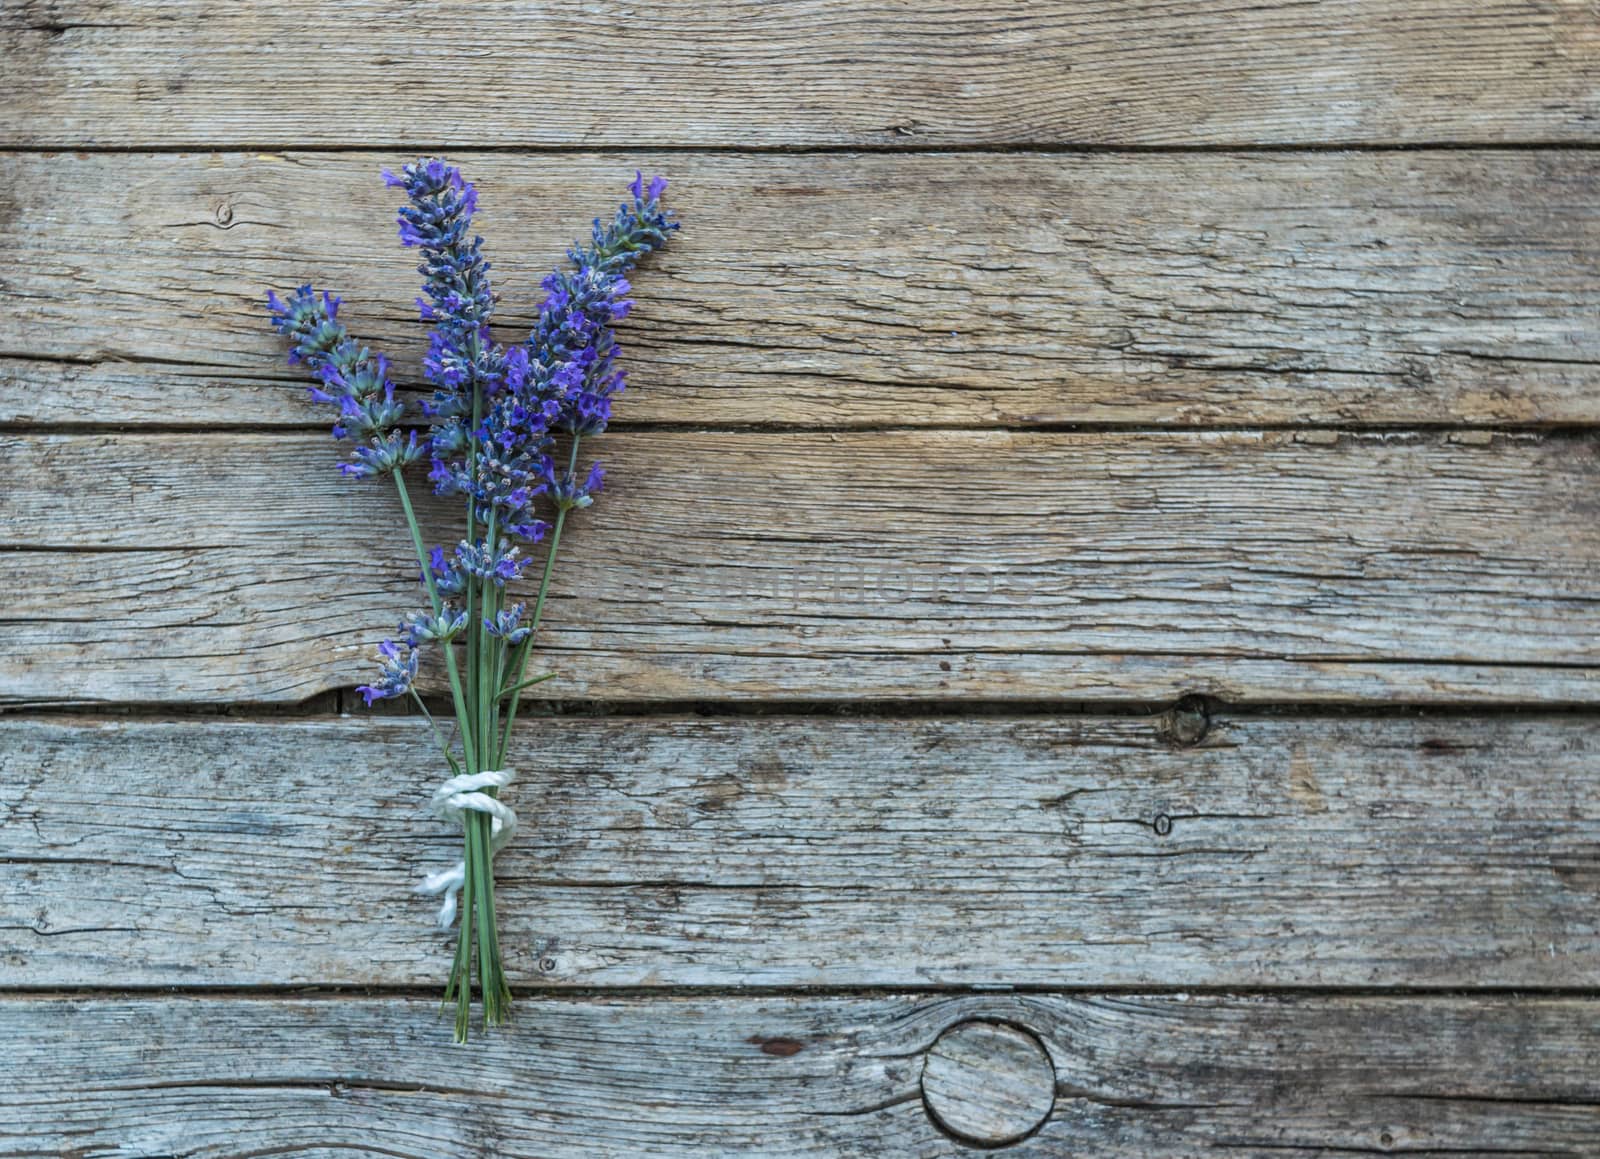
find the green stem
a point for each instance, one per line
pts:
(459, 985)
(555, 542)
(476, 766)
(464, 955)
(456, 693)
(533, 625)
(491, 974)
(538, 608)
(444, 745)
(482, 683)
(484, 673)
(489, 983)
(505, 692)
(472, 455)
(472, 675)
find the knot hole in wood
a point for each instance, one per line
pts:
(988, 1083)
(1186, 722)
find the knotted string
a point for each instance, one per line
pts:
(451, 802)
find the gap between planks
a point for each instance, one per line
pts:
(344, 704)
(532, 990)
(911, 149)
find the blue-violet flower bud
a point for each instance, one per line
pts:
(397, 671)
(506, 625)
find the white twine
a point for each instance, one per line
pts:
(451, 802)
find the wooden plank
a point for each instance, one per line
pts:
(779, 851)
(825, 72)
(860, 290)
(943, 565)
(1145, 1076)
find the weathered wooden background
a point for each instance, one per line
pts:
(1092, 645)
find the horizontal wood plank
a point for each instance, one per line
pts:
(839, 291)
(1136, 1076)
(824, 72)
(779, 851)
(886, 565)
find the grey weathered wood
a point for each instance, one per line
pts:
(825, 72)
(876, 289)
(949, 290)
(815, 851)
(1268, 566)
(1139, 1076)
(988, 1083)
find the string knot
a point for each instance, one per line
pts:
(451, 802)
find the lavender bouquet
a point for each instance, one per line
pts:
(497, 421)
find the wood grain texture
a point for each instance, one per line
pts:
(1267, 566)
(1161, 1077)
(855, 290)
(777, 851)
(860, 471)
(988, 1083)
(825, 72)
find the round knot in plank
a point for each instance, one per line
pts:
(988, 1083)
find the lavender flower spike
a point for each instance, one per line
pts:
(352, 378)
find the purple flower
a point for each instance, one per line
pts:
(496, 412)
(498, 565)
(421, 627)
(563, 379)
(572, 351)
(397, 671)
(569, 493)
(507, 626)
(353, 379)
(658, 186)
(448, 578)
